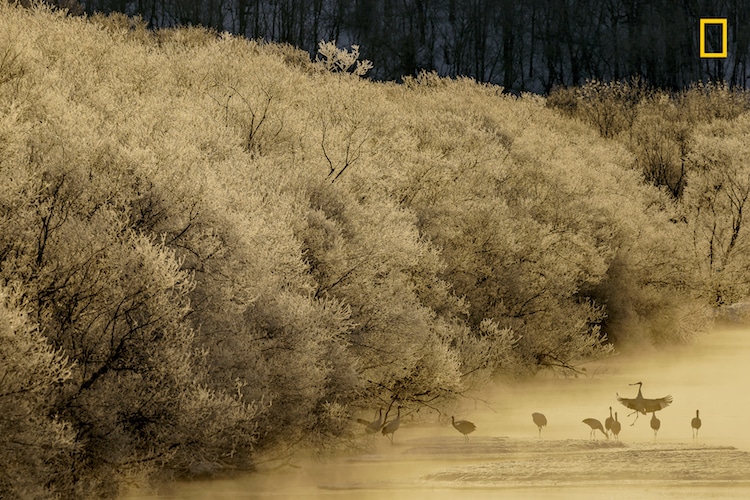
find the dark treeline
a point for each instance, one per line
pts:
(523, 46)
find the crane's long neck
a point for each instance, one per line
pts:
(639, 384)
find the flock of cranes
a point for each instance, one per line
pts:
(612, 425)
(638, 404)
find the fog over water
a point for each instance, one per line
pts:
(504, 458)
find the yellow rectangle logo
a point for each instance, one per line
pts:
(713, 21)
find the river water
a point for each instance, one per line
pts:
(505, 457)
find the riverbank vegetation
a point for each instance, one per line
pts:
(212, 247)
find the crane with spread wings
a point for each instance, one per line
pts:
(639, 404)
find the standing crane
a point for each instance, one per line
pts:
(608, 421)
(375, 425)
(464, 427)
(616, 426)
(594, 424)
(540, 421)
(655, 423)
(392, 426)
(639, 404)
(696, 423)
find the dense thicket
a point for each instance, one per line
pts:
(690, 144)
(532, 45)
(211, 248)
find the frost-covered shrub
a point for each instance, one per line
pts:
(611, 107)
(38, 445)
(334, 59)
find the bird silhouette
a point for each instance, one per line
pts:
(464, 427)
(594, 424)
(608, 421)
(615, 427)
(639, 404)
(696, 423)
(540, 421)
(655, 423)
(375, 425)
(392, 426)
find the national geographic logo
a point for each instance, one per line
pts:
(713, 22)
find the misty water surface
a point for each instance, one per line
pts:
(505, 459)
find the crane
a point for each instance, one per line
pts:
(696, 423)
(464, 427)
(375, 425)
(540, 421)
(392, 426)
(639, 404)
(608, 421)
(655, 423)
(594, 424)
(616, 426)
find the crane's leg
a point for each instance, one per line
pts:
(636, 417)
